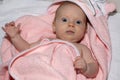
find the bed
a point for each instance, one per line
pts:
(12, 9)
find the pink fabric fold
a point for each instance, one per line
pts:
(36, 27)
(50, 60)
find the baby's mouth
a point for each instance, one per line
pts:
(70, 32)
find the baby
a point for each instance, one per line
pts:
(70, 24)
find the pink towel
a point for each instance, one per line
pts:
(35, 27)
(50, 60)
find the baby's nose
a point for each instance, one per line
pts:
(71, 24)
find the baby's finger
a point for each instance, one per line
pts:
(19, 25)
(6, 25)
(77, 58)
(12, 23)
(76, 66)
(3, 28)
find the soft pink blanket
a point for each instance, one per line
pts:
(50, 60)
(37, 64)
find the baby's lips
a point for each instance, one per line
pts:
(70, 32)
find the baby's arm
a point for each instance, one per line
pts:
(13, 34)
(86, 64)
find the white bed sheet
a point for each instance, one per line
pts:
(12, 9)
(114, 27)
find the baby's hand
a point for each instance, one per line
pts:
(11, 30)
(80, 65)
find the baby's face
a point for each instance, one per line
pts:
(70, 23)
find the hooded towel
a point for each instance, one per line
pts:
(97, 37)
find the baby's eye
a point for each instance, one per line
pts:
(64, 19)
(78, 22)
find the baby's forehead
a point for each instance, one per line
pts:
(64, 6)
(61, 11)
